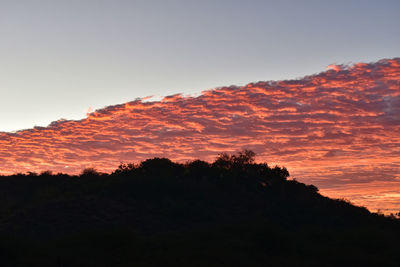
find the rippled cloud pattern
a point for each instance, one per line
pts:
(339, 129)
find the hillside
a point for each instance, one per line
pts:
(232, 212)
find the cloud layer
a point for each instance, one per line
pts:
(336, 129)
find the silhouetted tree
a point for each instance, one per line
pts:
(244, 157)
(125, 168)
(89, 172)
(46, 173)
(161, 212)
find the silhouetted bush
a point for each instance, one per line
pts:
(232, 212)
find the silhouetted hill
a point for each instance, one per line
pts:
(233, 212)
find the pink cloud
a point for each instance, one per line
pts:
(337, 128)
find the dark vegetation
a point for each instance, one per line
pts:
(232, 212)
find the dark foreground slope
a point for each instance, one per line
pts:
(229, 213)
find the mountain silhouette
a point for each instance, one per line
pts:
(232, 212)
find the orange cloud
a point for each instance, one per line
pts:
(334, 67)
(338, 129)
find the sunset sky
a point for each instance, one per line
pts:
(59, 58)
(311, 85)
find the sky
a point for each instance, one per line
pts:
(59, 59)
(339, 130)
(310, 85)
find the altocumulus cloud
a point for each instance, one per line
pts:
(337, 128)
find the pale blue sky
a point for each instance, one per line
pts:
(58, 58)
